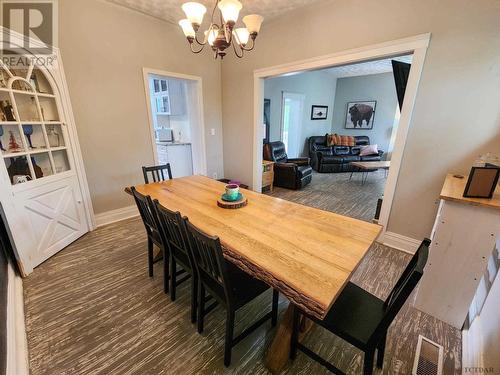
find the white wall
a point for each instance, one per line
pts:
(104, 49)
(457, 110)
(318, 88)
(374, 87)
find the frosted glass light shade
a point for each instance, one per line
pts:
(194, 12)
(242, 35)
(230, 10)
(187, 28)
(212, 35)
(253, 23)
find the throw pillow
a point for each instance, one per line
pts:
(368, 150)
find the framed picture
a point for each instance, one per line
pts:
(319, 112)
(360, 115)
(482, 182)
(267, 119)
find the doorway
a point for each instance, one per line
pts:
(292, 109)
(176, 127)
(417, 46)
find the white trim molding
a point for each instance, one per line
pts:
(113, 216)
(399, 242)
(17, 344)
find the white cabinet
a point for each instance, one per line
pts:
(180, 157)
(177, 95)
(43, 192)
(463, 239)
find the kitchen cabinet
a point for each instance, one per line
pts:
(179, 155)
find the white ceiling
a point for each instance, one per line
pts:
(170, 10)
(367, 68)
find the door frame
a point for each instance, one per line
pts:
(302, 97)
(417, 45)
(199, 151)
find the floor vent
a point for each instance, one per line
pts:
(428, 358)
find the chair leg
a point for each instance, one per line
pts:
(150, 256)
(173, 278)
(194, 297)
(368, 363)
(201, 306)
(166, 274)
(274, 313)
(381, 351)
(295, 332)
(229, 336)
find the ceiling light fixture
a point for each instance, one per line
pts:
(220, 36)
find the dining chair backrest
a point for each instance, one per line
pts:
(405, 285)
(209, 262)
(157, 172)
(146, 210)
(173, 232)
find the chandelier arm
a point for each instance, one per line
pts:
(236, 51)
(249, 49)
(197, 41)
(196, 51)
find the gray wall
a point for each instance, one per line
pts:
(318, 88)
(378, 87)
(457, 110)
(104, 49)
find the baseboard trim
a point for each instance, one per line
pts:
(17, 344)
(113, 216)
(399, 242)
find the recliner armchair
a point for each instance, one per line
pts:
(288, 173)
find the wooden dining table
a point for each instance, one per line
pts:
(305, 253)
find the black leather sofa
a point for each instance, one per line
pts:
(288, 173)
(328, 159)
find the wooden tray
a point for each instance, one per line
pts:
(232, 205)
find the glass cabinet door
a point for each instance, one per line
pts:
(32, 135)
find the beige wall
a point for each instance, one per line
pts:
(457, 110)
(104, 48)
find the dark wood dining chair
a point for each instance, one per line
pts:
(229, 285)
(174, 237)
(362, 319)
(158, 173)
(148, 216)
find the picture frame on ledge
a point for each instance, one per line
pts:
(360, 114)
(319, 112)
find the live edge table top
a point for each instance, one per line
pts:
(305, 253)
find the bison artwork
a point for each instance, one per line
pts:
(360, 115)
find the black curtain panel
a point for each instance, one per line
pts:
(401, 72)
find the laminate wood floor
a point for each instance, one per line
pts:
(337, 193)
(92, 309)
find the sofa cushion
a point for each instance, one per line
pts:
(334, 159)
(351, 158)
(371, 158)
(369, 150)
(323, 149)
(355, 150)
(341, 150)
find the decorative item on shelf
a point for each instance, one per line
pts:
(319, 112)
(18, 167)
(4, 78)
(483, 177)
(1, 135)
(20, 179)
(33, 110)
(7, 110)
(36, 168)
(34, 82)
(53, 136)
(222, 34)
(43, 113)
(13, 145)
(28, 132)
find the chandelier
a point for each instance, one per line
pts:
(223, 34)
